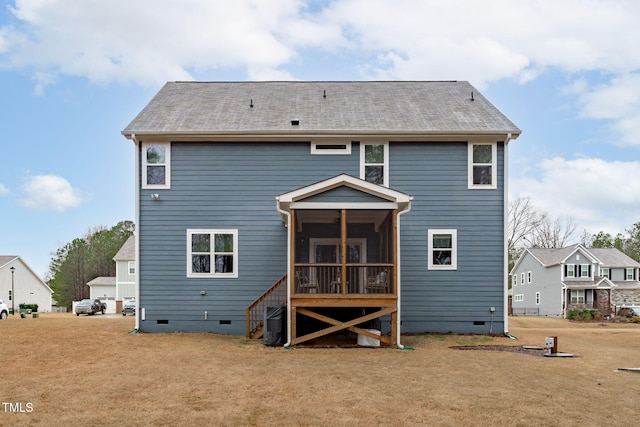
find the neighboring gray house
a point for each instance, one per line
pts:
(16, 276)
(549, 282)
(344, 201)
(125, 278)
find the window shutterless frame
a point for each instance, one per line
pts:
(374, 162)
(156, 165)
(442, 251)
(483, 165)
(212, 253)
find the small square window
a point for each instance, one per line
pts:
(442, 249)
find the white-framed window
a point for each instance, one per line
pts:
(442, 250)
(605, 272)
(577, 296)
(537, 298)
(156, 165)
(570, 270)
(522, 277)
(330, 147)
(585, 270)
(483, 165)
(518, 297)
(374, 162)
(628, 274)
(514, 280)
(529, 277)
(212, 253)
(131, 266)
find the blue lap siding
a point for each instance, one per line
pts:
(233, 185)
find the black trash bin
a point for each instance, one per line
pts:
(274, 325)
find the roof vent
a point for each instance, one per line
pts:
(472, 97)
(324, 94)
(295, 122)
(251, 104)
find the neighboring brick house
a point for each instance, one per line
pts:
(549, 282)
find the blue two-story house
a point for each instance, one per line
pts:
(345, 202)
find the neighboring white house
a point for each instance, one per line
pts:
(115, 290)
(549, 282)
(28, 287)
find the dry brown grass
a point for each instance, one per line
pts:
(91, 371)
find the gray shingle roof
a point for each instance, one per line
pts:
(610, 257)
(128, 250)
(222, 108)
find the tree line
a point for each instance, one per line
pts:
(530, 227)
(84, 259)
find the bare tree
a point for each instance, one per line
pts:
(524, 219)
(553, 233)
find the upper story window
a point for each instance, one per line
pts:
(514, 280)
(522, 278)
(374, 163)
(212, 253)
(570, 270)
(585, 270)
(605, 272)
(629, 274)
(482, 165)
(529, 277)
(331, 147)
(156, 165)
(131, 267)
(442, 250)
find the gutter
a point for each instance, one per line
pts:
(505, 308)
(137, 230)
(288, 215)
(398, 274)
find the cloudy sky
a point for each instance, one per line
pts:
(74, 73)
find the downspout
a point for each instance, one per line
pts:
(398, 273)
(288, 215)
(136, 233)
(505, 308)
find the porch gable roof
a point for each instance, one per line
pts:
(388, 196)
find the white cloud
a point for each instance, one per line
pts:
(598, 195)
(158, 40)
(3, 190)
(49, 192)
(619, 102)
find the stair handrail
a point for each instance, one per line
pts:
(276, 294)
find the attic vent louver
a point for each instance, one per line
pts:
(295, 122)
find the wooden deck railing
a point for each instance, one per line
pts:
(275, 295)
(360, 279)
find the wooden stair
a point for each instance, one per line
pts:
(275, 295)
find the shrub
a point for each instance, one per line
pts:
(635, 319)
(32, 307)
